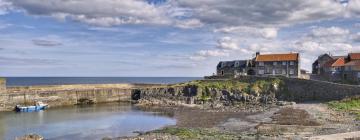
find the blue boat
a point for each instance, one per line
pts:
(39, 106)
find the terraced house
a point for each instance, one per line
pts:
(278, 65)
(262, 65)
(338, 68)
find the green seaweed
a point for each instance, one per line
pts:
(351, 105)
(193, 133)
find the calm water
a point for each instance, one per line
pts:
(29, 81)
(90, 122)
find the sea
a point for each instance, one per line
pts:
(32, 81)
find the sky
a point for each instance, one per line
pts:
(167, 37)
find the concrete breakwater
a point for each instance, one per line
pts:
(64, 95)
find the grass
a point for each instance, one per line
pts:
(193, 133)
(349, 105)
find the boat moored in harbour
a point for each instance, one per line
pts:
(37, 107)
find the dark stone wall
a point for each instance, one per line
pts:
(301, 90)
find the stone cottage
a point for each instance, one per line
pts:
(318, 67)
(234, 68)
(287, 65)
(262, 65)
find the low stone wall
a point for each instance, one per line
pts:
(64, 95)
(302, 90)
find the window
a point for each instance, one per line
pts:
(284, 63)
(261, 63)
(358, 75)
(236, 64)
(278, 71)
(268, 70)
(291, 71)
(222, 64)
(261, 71)
(222, 72)
(284, 71)
(275, 63)
(291, 62)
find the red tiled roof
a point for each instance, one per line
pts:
(330, 63)
(339, 62)
(354, 56)
(335, 62)
(278, 57)
(353, 63)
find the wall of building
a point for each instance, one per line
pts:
(269, 67)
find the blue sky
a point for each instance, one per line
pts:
(167, 37)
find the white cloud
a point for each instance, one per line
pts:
(332, 31)
(248, 31)
(356, 37)
(4, 7)
(97, 12)
(203, 54)
(227, 43)
(189, 23)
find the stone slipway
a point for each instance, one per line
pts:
(341, 136)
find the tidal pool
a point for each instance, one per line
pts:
(92, 122)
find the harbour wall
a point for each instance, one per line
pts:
(65, 95)
(304, 90)
(2, 85)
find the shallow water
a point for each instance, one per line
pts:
(82, 122)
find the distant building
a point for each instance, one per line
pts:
(278, 64)
(236, 67)
(338, 68)
(262, 65)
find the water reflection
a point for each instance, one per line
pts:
(82, 122)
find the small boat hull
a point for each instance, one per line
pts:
(30, 108)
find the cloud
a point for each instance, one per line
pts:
(189, 23)
(248, 31)
(203, 54)
(227, 43)
(46, 43)
(356, 37)
(262, 13)
(96, 12)
(4, 7)
(332, 31)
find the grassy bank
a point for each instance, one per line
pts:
(351, 105)
(257, 87)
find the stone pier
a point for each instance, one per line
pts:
(65, 95)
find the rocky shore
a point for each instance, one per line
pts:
(234, 109)
(238, 110)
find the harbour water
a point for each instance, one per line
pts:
(31, 81)
(82, 122)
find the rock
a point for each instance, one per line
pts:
(31, 137)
